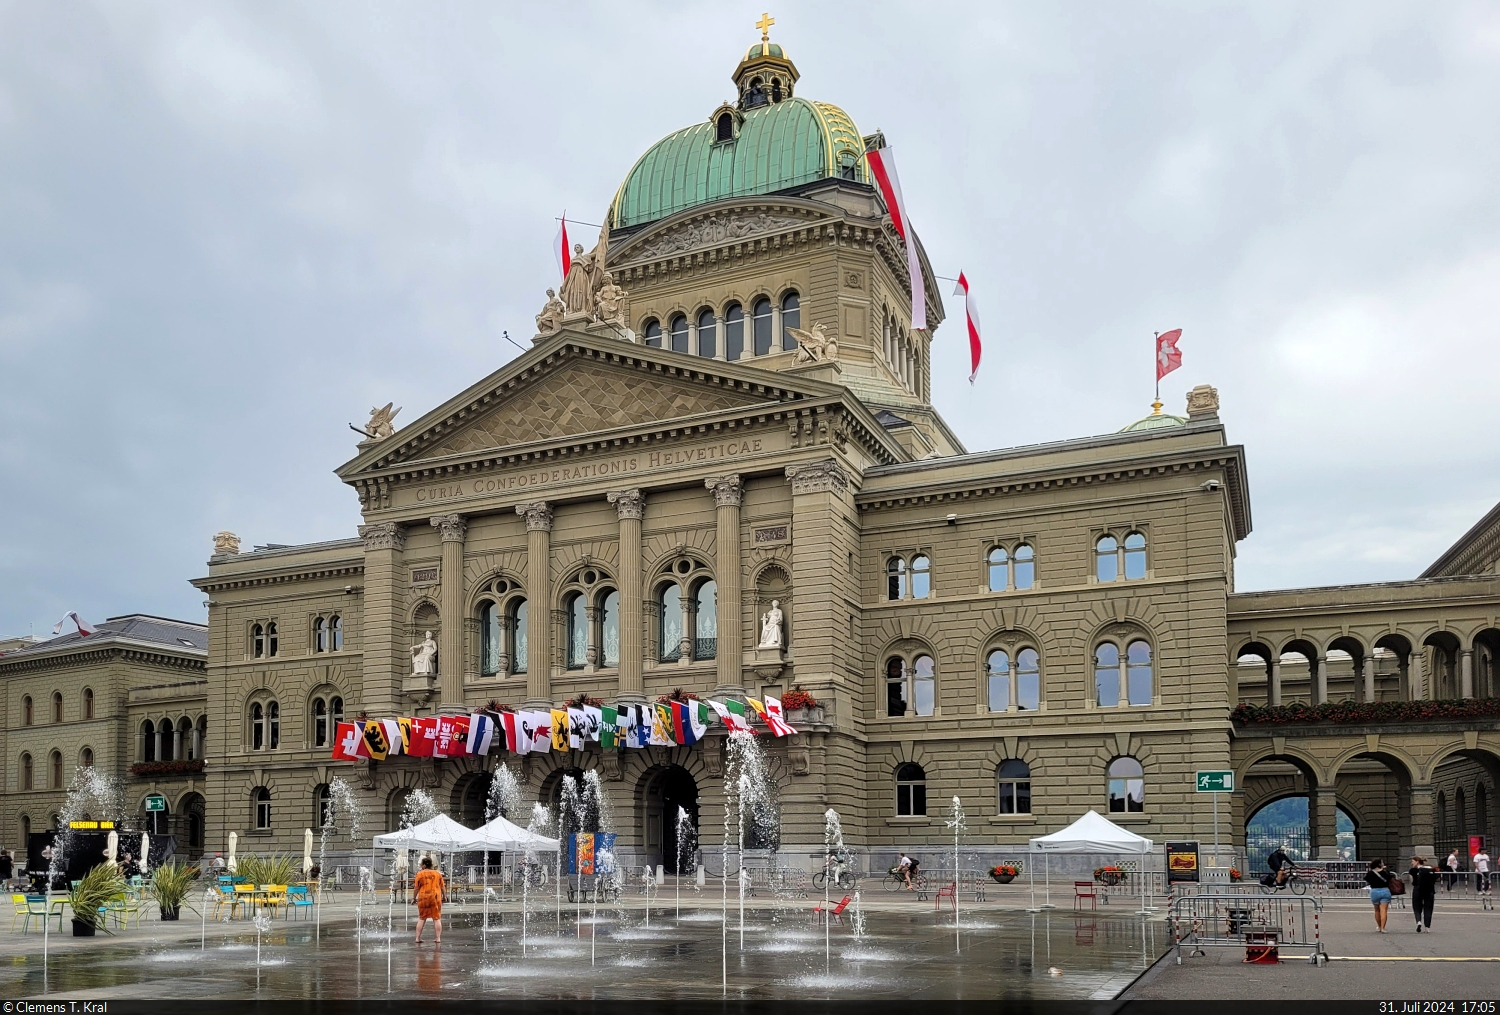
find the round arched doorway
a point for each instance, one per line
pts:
(670, 793)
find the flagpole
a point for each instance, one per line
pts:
(1155, 356)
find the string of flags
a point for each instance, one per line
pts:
(613, 727)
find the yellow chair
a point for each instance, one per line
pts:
(22, 910)
(123, 907)
(275, 897)
(244, 896)
(225, 898)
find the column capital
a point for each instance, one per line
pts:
(538, 515)
(453, 527)
(820, 477)
(383, 536)
(628, 503)
(728, 490)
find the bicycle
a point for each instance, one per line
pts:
(844, 879)
(894, 882)
(1294, 881)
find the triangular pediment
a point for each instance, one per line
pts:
(576, 385)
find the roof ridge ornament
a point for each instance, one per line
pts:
(764, 24)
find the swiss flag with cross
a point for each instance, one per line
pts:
(1168, 358)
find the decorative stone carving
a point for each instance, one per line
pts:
(585, 279)
(452, 527)
(628, 503)
(819, 477)
(550, 319)
(424, 657)
(382, 422)
(609, 303)
(1203, 401)
(716, 229)
(609, 764)
(770, 627)
(383, 536)
(728, 490)
(538, 515)
(713, 757)
(226, 542)
(815, 346)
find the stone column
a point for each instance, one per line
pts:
(721, 339)
(1276, 681)
(538, 517)
(1370, 675)
(1419, 835)
(1323, 823)
(728, 493)
(197, 744)
(630, 505)
(1414, 675)
(451, 606)
(1466, 673)
(385, 663)
(177, 754)
(1320, 685)
(1013, 703)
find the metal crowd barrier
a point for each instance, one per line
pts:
(1264, 925)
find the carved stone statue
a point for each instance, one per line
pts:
(550, 319)
(770, 627)
(424, 657)
(226, 542)
(609, 302)
(382, 422)
(814, 346)
(585, 275)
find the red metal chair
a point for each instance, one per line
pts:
(1085, 890)
(837, 912)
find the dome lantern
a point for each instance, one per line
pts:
(766, 74)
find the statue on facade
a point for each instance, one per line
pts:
(585, 278)
(382, 421)
(424, 657)
(550, 319)
(609, 302)
(226, 542)
(770, 627)
(814, 346)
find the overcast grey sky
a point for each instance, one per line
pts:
(229, 229)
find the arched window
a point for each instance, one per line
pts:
(27, 716)
(148, 741)
(257, 641)
(1107, 675)
(28, 775)
(609, 628)
(999, 569)
(86, 758)
(1107, 559)
(322, 805)
(760, 313)
(57, 706)
(576, 608)
(1028, 679)
(1025, 566)
(57, 769)
(257, 727)
(273, 720)
(734, 332)
(519, 620)
(320, 723)
(724, 128)
(491, 638)
(164, 733)
(706, 620)
(1127, 786)
(669, 608)
(335, 712)
(791, 317)
(924, 684)
(25, 827)
(320, 635)
(998, 666)
(921, 576)
(911, 790)
(1135, 556)
(1461, 808)
(335, 633)
(271, 638)
(262, 798)
(895, 579)
(653, 333)
(896, 692)
(679, 334)
(708, 334)
(1138, 682)
(88, 703)
(202, 736)
(1014, 780)
(1440, 822)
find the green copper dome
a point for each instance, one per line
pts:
(775, 146)
(1155, 421)
(761, 49)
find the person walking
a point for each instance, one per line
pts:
(217, 864)
(1378, 877)
(7, 868)
(1423, 891)
(1454, 863)
(1481, 861)
(429, 892)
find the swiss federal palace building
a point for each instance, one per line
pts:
(718, 472)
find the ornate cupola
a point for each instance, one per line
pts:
(766, 75)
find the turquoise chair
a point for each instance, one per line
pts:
(298, 901)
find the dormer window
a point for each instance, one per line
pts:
(755, 95)
(724, 128)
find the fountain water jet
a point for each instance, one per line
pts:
(341, 803)
(540, 820)
(833, 846)
(92, 793)
(503, 799)
(955, 821)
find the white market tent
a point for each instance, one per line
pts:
(440, 834)
(1092, 833)
(503, 835)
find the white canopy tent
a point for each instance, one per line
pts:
(1092, 833)
(440, 834)
(503, 835)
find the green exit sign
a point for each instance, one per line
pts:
(1215, 782)
(155, 804)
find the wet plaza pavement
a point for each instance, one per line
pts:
(907, 950)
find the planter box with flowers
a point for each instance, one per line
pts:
(1366, 713)
(157, 769)
(800, 706)
(1109, 876)
(1234, 874)
(1004, 873)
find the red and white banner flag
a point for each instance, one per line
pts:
(349, 742)
(1168, 358)
(560, 247)
(971, 309)
(84, 627)
(883, 168)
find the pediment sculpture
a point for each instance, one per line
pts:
(724, 228)
(550, 319)
(382, 423)
(815, 346)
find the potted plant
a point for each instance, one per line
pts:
(93, 892)
(1234, 874)
(170, 886)
(800, 706)
(1004, 873)
(1109, 876)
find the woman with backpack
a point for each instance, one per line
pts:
(1379, 880)
(1423, 891)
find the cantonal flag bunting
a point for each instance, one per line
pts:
(593, 717)
(541, 731)
(375, 741)
(577, 727)
(423, 736)
(732, 718)
(609, 727)
(395, 741)
(560, 729)
(349, 743)
(404, 727)
(481, 733)
(661, 726)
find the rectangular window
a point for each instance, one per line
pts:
(999, 692)
(895, 697)
(1127, 796)
(1015, 798)
(911, 799)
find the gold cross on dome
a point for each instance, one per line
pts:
(764, 24)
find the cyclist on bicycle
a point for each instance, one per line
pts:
(1280, 865)
(906, 868)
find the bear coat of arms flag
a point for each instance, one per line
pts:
(376, 744)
